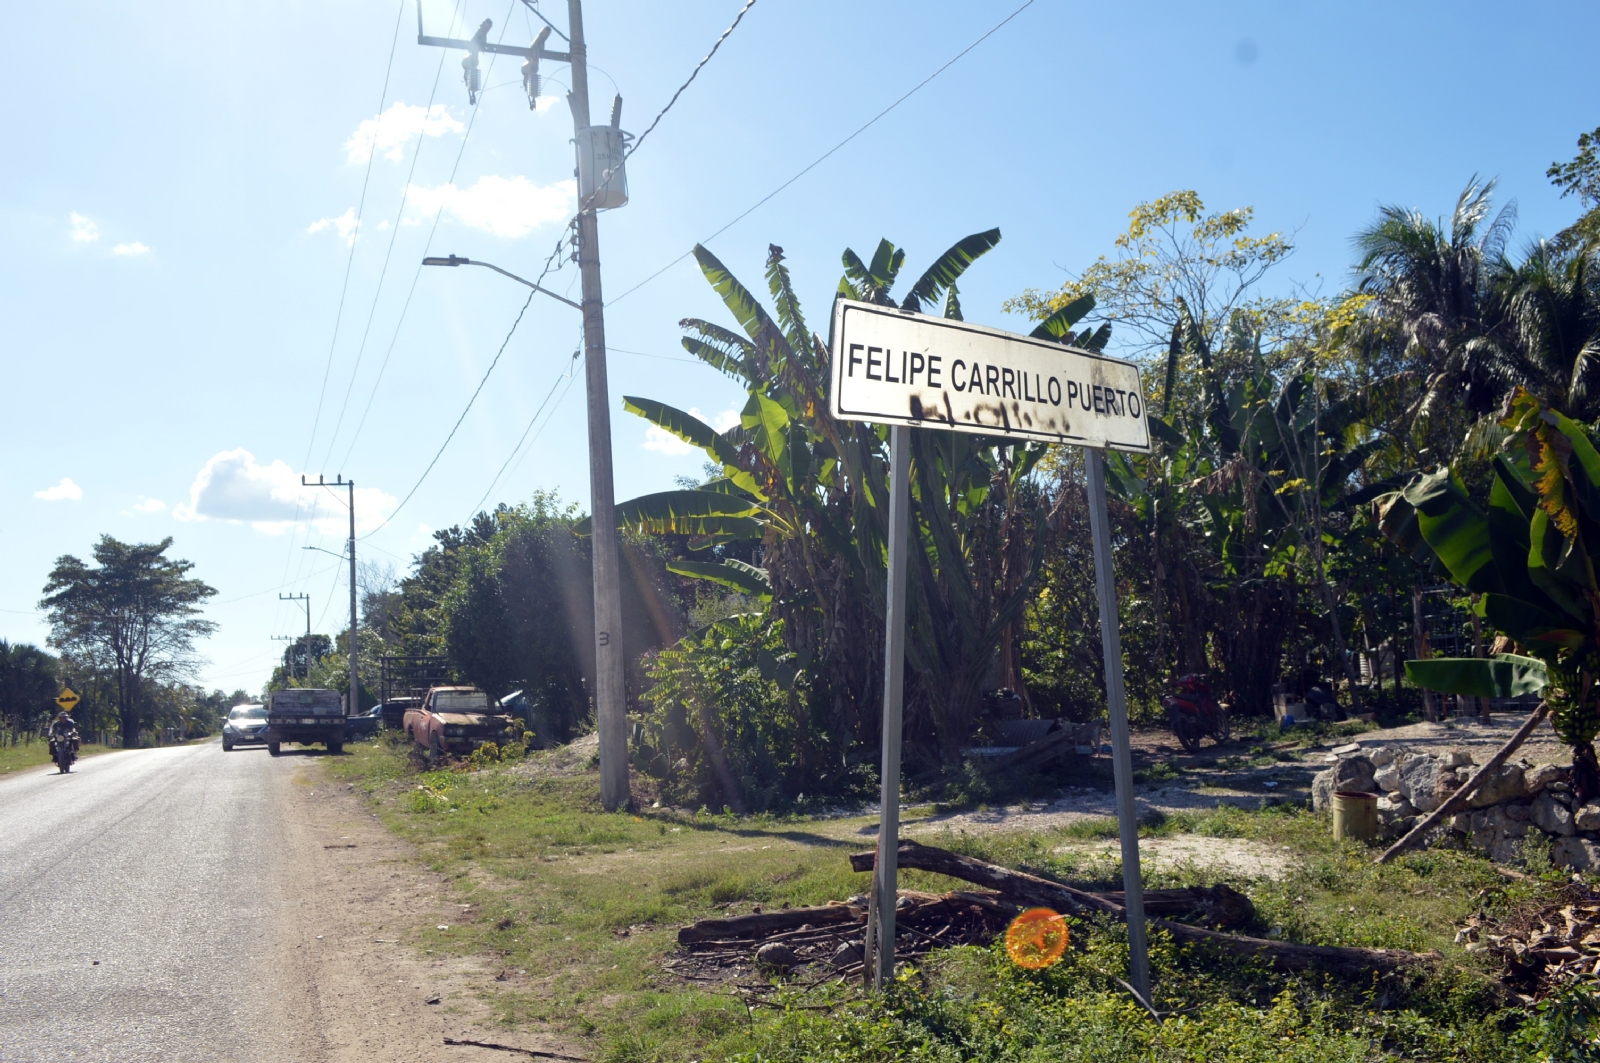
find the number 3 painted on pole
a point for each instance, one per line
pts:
(605, 638)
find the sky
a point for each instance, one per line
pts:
(214, 215)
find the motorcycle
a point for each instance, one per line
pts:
(64, 751)
(1193, 714)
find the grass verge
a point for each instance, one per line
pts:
(37, 755)
(576, 905)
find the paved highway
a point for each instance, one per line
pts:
(135, 908)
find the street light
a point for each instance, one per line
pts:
(456, 260)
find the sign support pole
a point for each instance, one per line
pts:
(885, 886)
(1117, 701)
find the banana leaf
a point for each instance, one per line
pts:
(1058, 326)
(1505, 675)
(702, 513)
(746, 579)
(696, 433)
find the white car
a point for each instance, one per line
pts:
(244, 724)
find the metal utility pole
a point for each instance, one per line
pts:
(600, 164)
(306, 646)
(354, 706)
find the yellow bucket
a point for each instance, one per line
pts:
(1355, 815)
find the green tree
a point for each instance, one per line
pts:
(28, 686)
(133, 613)
(1580, 177)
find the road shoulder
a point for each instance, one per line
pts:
(358, 894)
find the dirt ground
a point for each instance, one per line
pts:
(1204, 784)
(363, 991)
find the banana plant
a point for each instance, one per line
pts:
(1527, 555)
(811, 489)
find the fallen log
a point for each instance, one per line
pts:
(1031, 890)
(744, 926)
(1468, 788)
(1219, 905)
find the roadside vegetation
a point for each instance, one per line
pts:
(30, 751)
(576, 907)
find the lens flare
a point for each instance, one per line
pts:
(1036, 938)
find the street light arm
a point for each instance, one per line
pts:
(330, 553)
(456, 260)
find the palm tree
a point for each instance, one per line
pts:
(1551, 308)
(1436, 280)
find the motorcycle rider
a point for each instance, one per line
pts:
(62, 729)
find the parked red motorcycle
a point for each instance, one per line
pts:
(1193, 713)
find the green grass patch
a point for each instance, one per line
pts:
(37, 755)
(586, 902)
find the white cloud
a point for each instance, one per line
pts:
(84, 231)
(235, 488)
(509, 207)
(149, 505)
(659, 439)
(346, 223)
(65, 491)
(391, 131)
(133, 250)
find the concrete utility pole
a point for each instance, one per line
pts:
(604, 171)
(306, 599)
(610, 694)
(354, 706)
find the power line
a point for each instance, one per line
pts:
(351, 258)
(432, 231)
(637, 144)
(344, 289)
(463, 417)
(554, 254)
(269, 590)
(394, 235)
(825, 155)
(568, 375)
(562, 398)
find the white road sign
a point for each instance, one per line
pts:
(893, 366)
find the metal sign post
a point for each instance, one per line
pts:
(910, 370)
(1105, 581)
(885, 888)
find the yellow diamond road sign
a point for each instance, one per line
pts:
(67, 699)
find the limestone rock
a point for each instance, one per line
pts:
(1579, 854)
(1507, 784)
(1543, 775)
(1351, 773)
(1586, 817)
(1381, 757)
(1387, 778)
(1519, 811)
(1552, 817)
(1457, 759)
(1392, 807)
(1427, 783)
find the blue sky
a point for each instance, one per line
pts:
(179, 182)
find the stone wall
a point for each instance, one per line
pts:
(1521, 797)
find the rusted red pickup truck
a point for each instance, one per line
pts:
(456, 720)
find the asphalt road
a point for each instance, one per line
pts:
(135, 913)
